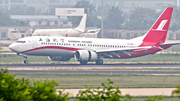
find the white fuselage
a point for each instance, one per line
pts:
(66, 32)
(57, 32)
(66, 46)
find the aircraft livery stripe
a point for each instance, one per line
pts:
(51, 47)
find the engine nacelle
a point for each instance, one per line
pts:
(84, 55)
(59, 58)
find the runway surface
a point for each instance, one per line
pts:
(90, 66)
(95, 71)
(91, 69)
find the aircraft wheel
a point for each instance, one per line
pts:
(99, 62)
(25, 61)
(83, 62)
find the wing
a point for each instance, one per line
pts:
(117, 51)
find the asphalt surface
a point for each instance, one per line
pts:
(90, 69)
(95, 71)
(90, 66)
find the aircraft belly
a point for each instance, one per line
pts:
(51, 52)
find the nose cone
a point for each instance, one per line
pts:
(13, 47)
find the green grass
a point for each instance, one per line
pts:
(131, 69)
(123, 81)
(9, 58)
(4, 45)
(174, 48)
(157, 58)
(7, 52)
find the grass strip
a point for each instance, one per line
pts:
(80, 81)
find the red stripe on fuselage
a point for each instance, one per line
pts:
(52, 47)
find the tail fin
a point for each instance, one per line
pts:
(158, 32)
(82, 24)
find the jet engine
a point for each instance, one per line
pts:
(85, 55)
(59, 58)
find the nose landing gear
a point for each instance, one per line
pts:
(25, 61)
(24, 56)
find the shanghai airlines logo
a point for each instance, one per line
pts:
(162, 24)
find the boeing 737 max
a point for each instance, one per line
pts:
(96, 49)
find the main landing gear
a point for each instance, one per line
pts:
(98, 62)
(83, 62)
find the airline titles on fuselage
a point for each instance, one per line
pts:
(62, 40)
(53, 41)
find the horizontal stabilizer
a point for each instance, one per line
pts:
(169, 44)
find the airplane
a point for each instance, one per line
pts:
(87, 50)
(71, 32)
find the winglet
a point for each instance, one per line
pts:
(82, 24)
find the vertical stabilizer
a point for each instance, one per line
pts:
(82, 24)
(158, 32)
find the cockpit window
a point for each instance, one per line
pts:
(21, 41)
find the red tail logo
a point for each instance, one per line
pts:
(158, 32)
(162, 24)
